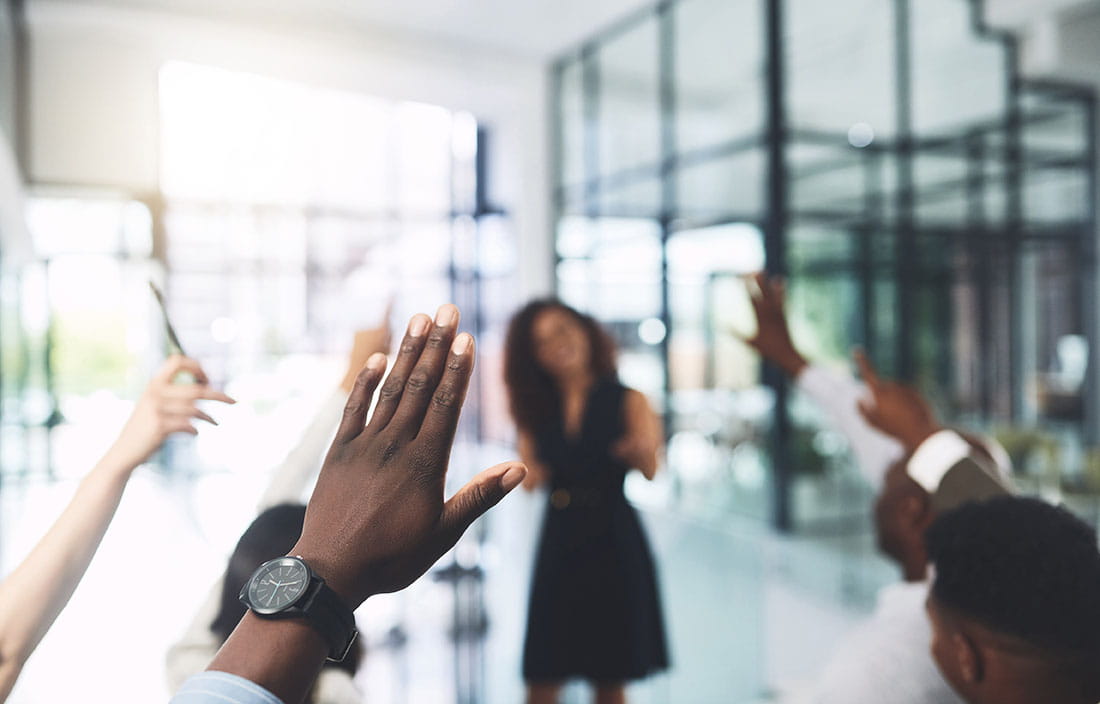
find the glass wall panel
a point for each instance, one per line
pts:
(718, 60)
(629, 99)
(840, 68)
(571, 123)
(959, 78)
(719, 413)
(725, 188)
(634, 198)
(960, 200)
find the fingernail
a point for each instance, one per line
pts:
(418, 325)
(376, 362)
(513, 477)
(461, 344)
(446, 315)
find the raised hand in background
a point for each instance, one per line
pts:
(773, 336)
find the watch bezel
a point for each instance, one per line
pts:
(265, 569)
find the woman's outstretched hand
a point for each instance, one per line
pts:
(377, 519)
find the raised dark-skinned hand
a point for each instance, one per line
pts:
(378, 519)
(773, 336)
(895, 409)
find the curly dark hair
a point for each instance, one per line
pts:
(1023, 568)
(532, 394)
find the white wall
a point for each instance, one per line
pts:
(94, 105)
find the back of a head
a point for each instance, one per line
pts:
(272, 534)
(1022, 569)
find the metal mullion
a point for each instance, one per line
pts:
(905, 246)
(557, 146)
(1089, 283)
(590, 108)
(873, 204)
(775, 242)
(1014, 185)
(977, 250)
(666, 69)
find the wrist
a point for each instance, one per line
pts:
(792, 363)
(118, 462)
(282, 656)
(913, 439)
(335, 576)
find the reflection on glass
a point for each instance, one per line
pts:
(957, 76)
(719, 62)
(629, 102)
(719, 413)
(840, 66)
(728, 188)
(571, 124)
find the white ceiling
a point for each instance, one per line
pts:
(1016, 13)
(536, 29)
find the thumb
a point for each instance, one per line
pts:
(869, 411)
(744, 338)
(478, 496)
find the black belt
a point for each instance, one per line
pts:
(580, 497)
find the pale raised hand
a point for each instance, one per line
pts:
(165, 408)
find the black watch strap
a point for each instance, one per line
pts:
(333, 619)
(318, 605)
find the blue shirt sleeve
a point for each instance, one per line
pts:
(222, 688)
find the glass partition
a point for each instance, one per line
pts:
(935, 209)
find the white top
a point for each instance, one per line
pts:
(887, 657)
(838, 396)
(192, 653)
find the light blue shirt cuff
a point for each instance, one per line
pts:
(212, 687)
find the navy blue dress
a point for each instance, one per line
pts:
(594, 612)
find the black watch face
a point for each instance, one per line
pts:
(277, 585)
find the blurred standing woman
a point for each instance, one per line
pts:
(594, 612)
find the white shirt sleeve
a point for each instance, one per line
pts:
(935, 457)
(223, 688)
(290, 479)
(838, 396)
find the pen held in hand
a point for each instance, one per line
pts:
(172, 337)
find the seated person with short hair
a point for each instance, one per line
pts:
(919, 470)
(1015, 603)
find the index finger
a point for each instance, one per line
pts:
(178, 363)
(441, 418)
(355, 410)
(754, 285)
(866, 370)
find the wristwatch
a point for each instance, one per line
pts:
(286, 587)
